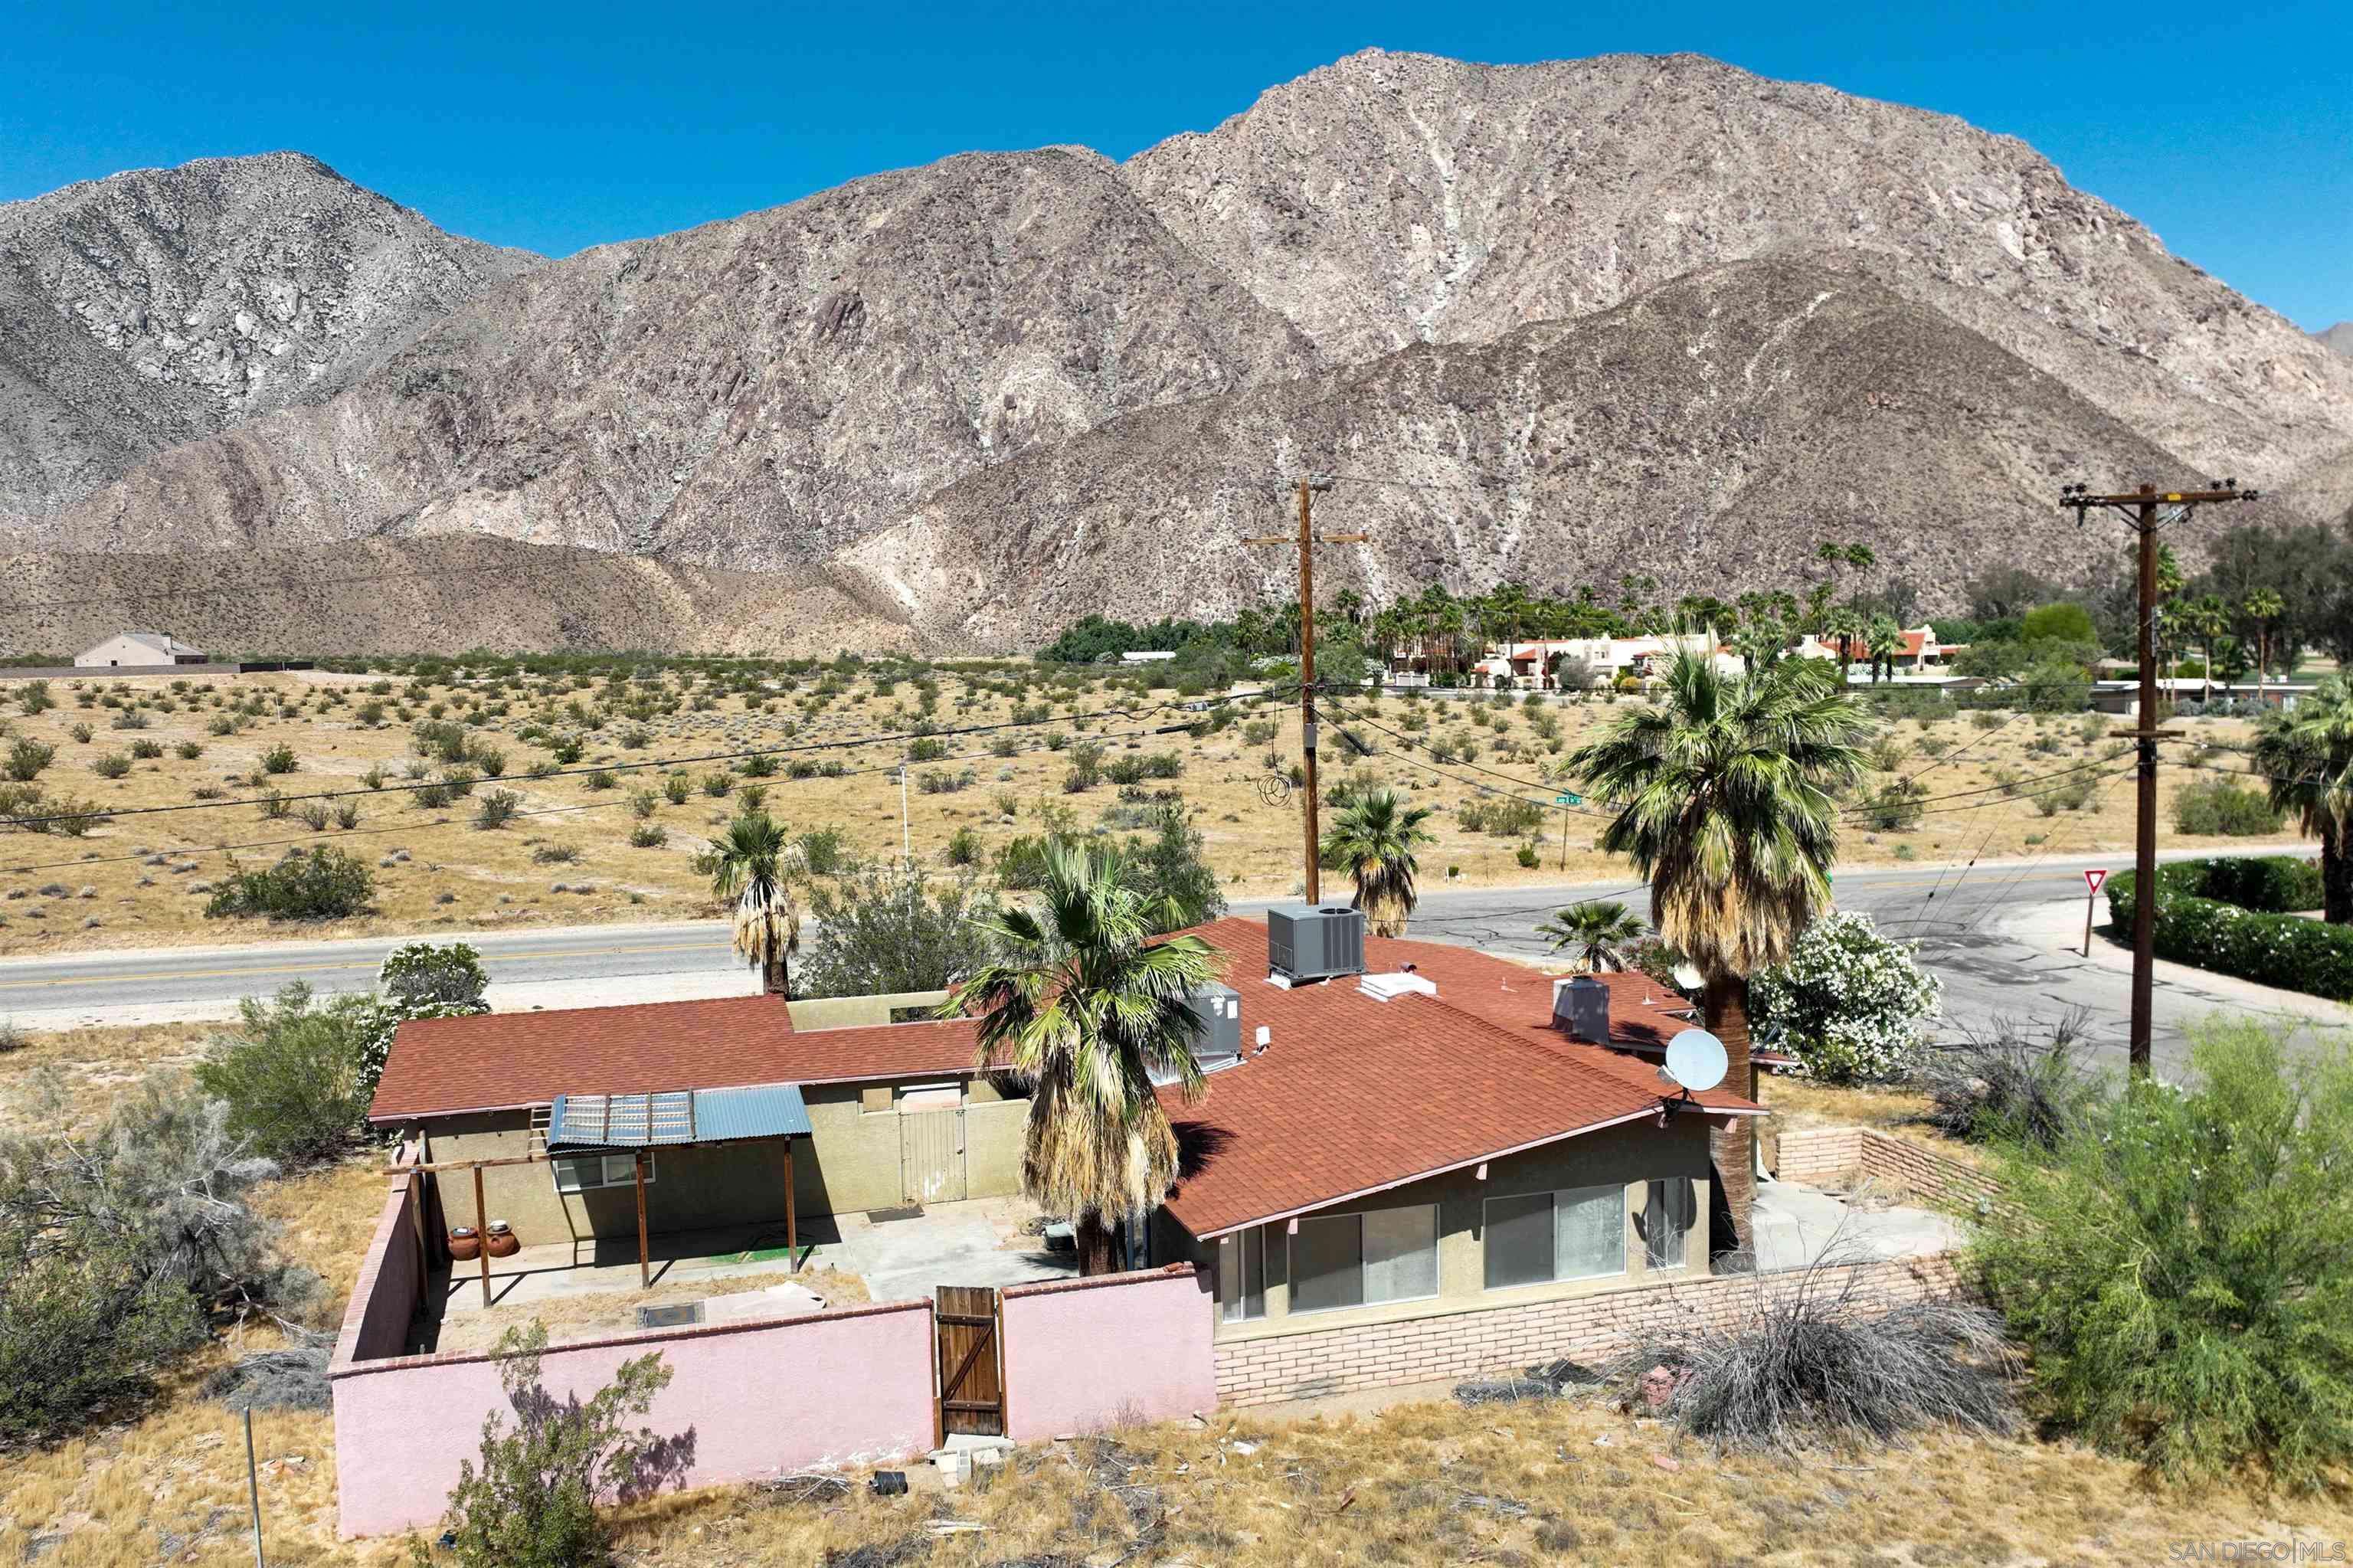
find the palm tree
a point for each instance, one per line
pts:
(1598, 933)
(1723, 793)
(1885, 645)
(2307, 754)
(751, 866)
(1849, 626)
(2263, 607)
(2207, 620)
(1082, 1004)
(1373, 840)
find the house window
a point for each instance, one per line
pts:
(1241, 1275)
(1354, 1260)
(1578, 1234)
(587, 1172)
(1669, 1208)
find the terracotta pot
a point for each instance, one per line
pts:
(464, 1245)
(501, 1242)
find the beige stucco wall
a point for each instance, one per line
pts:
(1630, 1155)
(850, 1162)
(856, 1011)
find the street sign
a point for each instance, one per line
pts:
(2096, 878)
(1570, 800)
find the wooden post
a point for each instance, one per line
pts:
(645, 1269)
(792, 1218)
(482, 1235)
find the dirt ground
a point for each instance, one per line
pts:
(1990, 785)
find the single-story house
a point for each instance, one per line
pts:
(1422, 1130)
(1445, 1133)
(138, 650)
(878, 1114)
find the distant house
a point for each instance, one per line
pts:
(138, 650)
(1148, 656)
(1921, 652)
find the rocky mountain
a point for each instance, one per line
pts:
(164, 306)
(1604, 315)
(2339, 337)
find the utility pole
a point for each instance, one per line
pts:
(2141, 509)
(1307, 539)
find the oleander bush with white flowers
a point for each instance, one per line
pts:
(2219, 915)
(1850, 1004)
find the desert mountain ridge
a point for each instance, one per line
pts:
(1580, 318)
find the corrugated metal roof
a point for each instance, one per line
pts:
(676, 1117)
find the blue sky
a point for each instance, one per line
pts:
(2228, 129)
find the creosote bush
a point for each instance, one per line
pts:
(322, 884)
(2179, 1264)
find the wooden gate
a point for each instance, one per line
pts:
(971, 1339)
(931, 1156)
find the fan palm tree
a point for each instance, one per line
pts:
(2308, 755)
(1373, 840)
(1724, 794)
(1086, 1006)
(1598, 933)
(2263, 607)
(751, 866)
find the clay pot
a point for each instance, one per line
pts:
(501, 1242)
(464, 1245)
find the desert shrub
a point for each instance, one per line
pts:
(884, 927)
(1086, 767)
(1850, 1003)
(189, 750)
(676, 787)
(565, 750)
(1896, 807)
(220, 724)
(322, 884)
(279, 759)
(497, 807)
(289, 1073)
(1820, 1362)
(636, 739)
(943, 782)
(314, 815)
(644, 803)
(347, 814)
(532, 1503)
(120, 1244)
(458, 781)
(82, 734)
(926, 748)
(146, 750)
(1125, 770)
(1888, 753)
(825, 851)
(1500, 816)
(601, 778)
(2217, 806)
(26, 759)
(964, 847)
(2009, 1082)
(34, 697)
(130, 719)
(760, 764)
(110, 765)
(2178, 1264)
(1526, 856)
(716, 785)
(555, 854)
(648, 836)
(430, 796)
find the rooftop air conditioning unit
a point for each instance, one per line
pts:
(1315, 941)
(1217, 1013)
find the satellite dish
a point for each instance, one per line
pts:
(1695, 1060)
(1688, 978)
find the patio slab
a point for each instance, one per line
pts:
(1797, 1225)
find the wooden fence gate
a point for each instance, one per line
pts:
(971, 1340)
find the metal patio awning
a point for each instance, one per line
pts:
(673, 1119)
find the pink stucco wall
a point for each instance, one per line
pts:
(391, 1281)
(758, 1399)
(1082, 1354)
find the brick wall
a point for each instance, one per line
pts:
(1586, 1328)
(1837, 1156)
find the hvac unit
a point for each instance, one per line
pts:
(1315, 941)
(1217, 1013)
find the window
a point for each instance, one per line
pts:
(1354, 1260)
(1241, 1275)
(1579, 1234)
(1668, 1207)
(587, 1172)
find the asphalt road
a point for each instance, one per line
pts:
(1994, 933)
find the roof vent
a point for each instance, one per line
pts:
(1580, 1004)
(1389, 987)
(1315, 941)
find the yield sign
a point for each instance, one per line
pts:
(2096, 878)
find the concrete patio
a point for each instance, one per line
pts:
(1797, 1225)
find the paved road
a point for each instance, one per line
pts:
(1995, 933)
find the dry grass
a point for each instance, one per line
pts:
(614, 1311)
(457, 876)
(71, 1077)
(1801, 1102)
(1436, 1484)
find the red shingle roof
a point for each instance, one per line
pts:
(1353, 1095)
(440, 1066)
